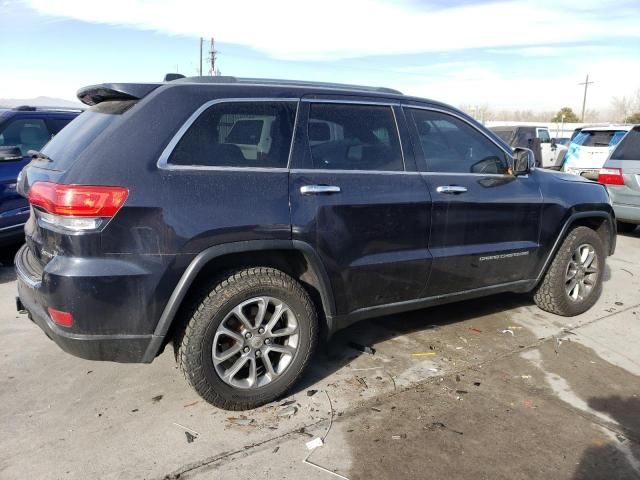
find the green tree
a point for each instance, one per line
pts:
(633, 118)
(569, 116)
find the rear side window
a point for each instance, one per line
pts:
(25, 133)
(65, 147)
(354, 137)
(238, 134)
(451, 145)
(505, 135)
(629, 147)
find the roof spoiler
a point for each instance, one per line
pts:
(94, 94)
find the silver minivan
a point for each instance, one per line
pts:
(621, 175)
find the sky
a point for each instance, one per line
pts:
(512, 55)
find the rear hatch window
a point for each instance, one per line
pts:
(65, 148)
(599, 138)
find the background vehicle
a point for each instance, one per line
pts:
(621, 175)
(590, 148)
(22, 129)
(548, 152)
(149, 229)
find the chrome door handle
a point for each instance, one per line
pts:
(453, 189)
(319, 189)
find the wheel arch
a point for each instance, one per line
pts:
(602, 222)
(297, 259)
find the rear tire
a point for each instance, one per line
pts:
(624, 227)
(264, 322)
(573, 282)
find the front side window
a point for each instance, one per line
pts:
(451, 145)
(238, 134)
(26, 134)
(353, 137)
(543, 135)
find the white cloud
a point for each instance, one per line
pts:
(530, 91)
(333, 29)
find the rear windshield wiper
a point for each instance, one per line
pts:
(37, 155)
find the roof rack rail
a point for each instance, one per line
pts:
(30, 108)
(293, 83)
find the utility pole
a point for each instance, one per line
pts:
(586, 84)
(201, 41)
(212, 57)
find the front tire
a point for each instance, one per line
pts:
(248, 339)
(573, 282)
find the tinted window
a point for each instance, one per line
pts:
(57, 124)
(451, 145)
(354, 137)
(598, 138)
(629, 147)
(240, 134)
(65, 147)
(506, 135)
(25, 133)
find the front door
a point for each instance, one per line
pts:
(547, 150)
(485, 221)
(357, 202)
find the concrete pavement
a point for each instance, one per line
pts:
(499, 389)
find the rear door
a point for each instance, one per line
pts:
(356, 198)
(485, 221)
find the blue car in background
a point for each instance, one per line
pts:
(23, 129)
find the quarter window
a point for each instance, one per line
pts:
(238, 134)
(451, 145)
(354, 137)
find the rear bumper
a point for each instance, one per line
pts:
(35, 296)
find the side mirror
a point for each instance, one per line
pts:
(553, 143)
(523, 161)
(8, 154)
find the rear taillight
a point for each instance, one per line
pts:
(611, 176)
(75, 208)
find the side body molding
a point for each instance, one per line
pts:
(204, 257)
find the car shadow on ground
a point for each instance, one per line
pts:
(619, 455)
(7, 253)
(340, 349)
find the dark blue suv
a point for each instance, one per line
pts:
(242, 220)
(22, 129)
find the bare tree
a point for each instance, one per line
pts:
(623, 107)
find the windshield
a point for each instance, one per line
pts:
(66, 146)
(599, 138)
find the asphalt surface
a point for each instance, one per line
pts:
(492, 388)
